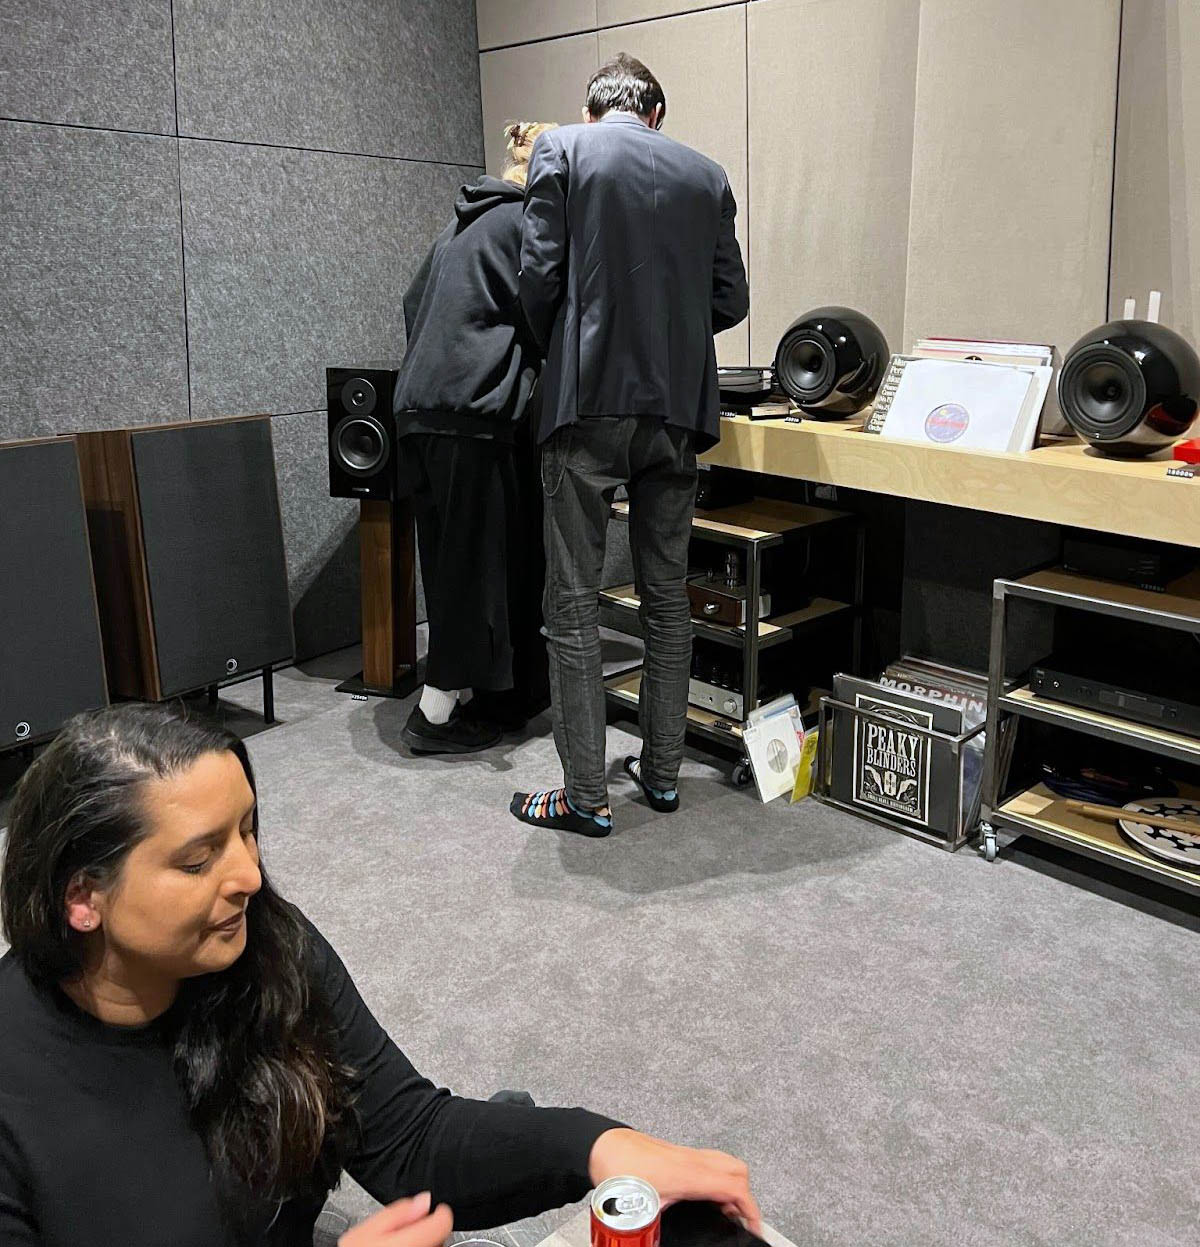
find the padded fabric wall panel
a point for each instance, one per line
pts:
(831, 114)
(541, 82)
(296, 261)
(90, 281)
(700, 59)
(611, 12)
(353, 75)
(97, 63)
(1012, 169)
(1156, 212)
(506, 22)
(320, 535)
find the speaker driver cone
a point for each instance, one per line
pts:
(359, 396)
(1104, 392)
(805, 366)
(360, 445)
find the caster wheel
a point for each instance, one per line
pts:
(988, 845)
(741, 774)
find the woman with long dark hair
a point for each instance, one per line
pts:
(184, 1059)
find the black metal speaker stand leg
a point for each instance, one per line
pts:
(268, 679)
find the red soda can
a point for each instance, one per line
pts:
(625, 1214)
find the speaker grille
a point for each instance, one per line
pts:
(214, 550)
(51, 662)
(805, 366)
(1102, 392)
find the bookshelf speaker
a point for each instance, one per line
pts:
(830, 361)
(1130, 387)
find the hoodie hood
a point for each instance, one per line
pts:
(481, 196)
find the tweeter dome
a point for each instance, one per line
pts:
(1130, 387)
(831, 361)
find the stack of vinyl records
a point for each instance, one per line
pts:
(902, 775)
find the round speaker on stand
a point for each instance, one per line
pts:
(1130, 387)
(830, 362)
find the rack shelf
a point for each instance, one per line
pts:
(1178, 607)
(623, 690)
(623, 601)
(1041, 814)
(1037, 811)
(762, 522)
(1023, 701)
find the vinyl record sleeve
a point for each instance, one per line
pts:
(887, 769)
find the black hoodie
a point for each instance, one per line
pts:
(470, 363)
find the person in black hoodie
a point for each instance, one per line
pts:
(461, 400)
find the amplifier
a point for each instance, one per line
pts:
(1157, 703)
(726, 701)
(715, 601)
(1149, 565)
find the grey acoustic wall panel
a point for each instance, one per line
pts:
(612, 12)
(351, 75)
(1156, 210)
(321, 537)
(541, 82)
(98, 63)
(505, 22)
(90, 281)
(700, 59)
(831, 121)
(1012, 169)
(297, 261)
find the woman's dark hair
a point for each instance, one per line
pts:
(254, 1045)
(626, 85)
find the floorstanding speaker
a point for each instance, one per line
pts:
(187, 544)
(51, 661)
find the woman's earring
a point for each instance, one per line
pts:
(86, 924)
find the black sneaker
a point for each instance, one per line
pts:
(459, 734)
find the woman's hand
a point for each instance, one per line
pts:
(677, 1172)
(406, 1223)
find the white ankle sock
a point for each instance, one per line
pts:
(465, 695)
(436, 704)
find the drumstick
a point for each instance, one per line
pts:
(1112, 813)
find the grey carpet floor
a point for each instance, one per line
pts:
(909, 1047)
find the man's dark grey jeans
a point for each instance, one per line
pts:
(582, 466)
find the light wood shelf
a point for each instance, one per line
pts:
(624, 600)
(1064, 482)
(1180, 602)
(626, 688)
(1026, 702)
(765, 520)
(1038, 811)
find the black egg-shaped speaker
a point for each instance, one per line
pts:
(830, 362)
(1130, 387)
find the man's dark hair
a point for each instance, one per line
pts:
(625, 84)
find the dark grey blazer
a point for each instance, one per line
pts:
(629, 265)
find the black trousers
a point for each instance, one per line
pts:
(479, 517)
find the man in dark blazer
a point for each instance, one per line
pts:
(629, 265)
